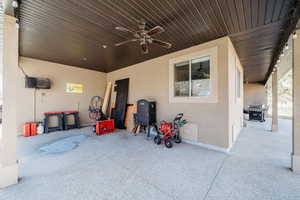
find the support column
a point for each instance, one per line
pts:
(296, 105)
(274, 102)
(8, 134)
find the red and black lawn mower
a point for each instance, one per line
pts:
(169, 131)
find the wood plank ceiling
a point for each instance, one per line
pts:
(73, 32)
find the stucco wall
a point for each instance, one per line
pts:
(296, 105)
(150, 79)
(8, 139)
(235, 102)
(209, 123)
(254, 94)
(56, 98)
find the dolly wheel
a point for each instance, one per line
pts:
(157, 140)
(178, 139)
(168, 143)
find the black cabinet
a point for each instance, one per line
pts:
(146, 112)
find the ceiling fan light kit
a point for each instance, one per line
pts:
(144, 36)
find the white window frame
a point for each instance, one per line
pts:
(213, 96)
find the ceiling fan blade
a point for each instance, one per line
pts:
(125, 42)
(123, 29)
(144, 46)
(162, 43)
(156, 30)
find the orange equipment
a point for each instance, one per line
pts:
(30, 129)
(104, 127)
(26, 130)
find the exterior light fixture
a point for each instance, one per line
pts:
(295, 36)
(104, 46)
(286, 47)
(282, 54)
(15, 4)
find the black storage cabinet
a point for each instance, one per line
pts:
(146, 112)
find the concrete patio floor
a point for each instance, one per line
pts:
(122, 166)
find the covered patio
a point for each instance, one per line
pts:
(123, 166)
(79, 78)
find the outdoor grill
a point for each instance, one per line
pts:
(257, 112)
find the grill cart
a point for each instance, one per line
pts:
(257, 112)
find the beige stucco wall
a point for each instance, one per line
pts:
(56, 99)
(296, 105)
(235, 113)
(8, 129)
(150, 79)
(209, 123)
(254, 94)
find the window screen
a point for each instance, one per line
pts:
(181, 79)
(200, 77)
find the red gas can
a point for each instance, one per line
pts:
(26, 130)
(33, 127)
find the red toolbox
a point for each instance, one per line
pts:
(104, 127)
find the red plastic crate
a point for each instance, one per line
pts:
(104, 127)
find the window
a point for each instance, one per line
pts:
(193, 77)
(182, 79)
(200, 77)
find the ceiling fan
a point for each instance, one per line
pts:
(144, 36)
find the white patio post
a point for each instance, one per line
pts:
(296, 105)
(8, 134)
(274, 102)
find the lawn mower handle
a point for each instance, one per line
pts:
(178, 116)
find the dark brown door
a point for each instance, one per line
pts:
(121, 88)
